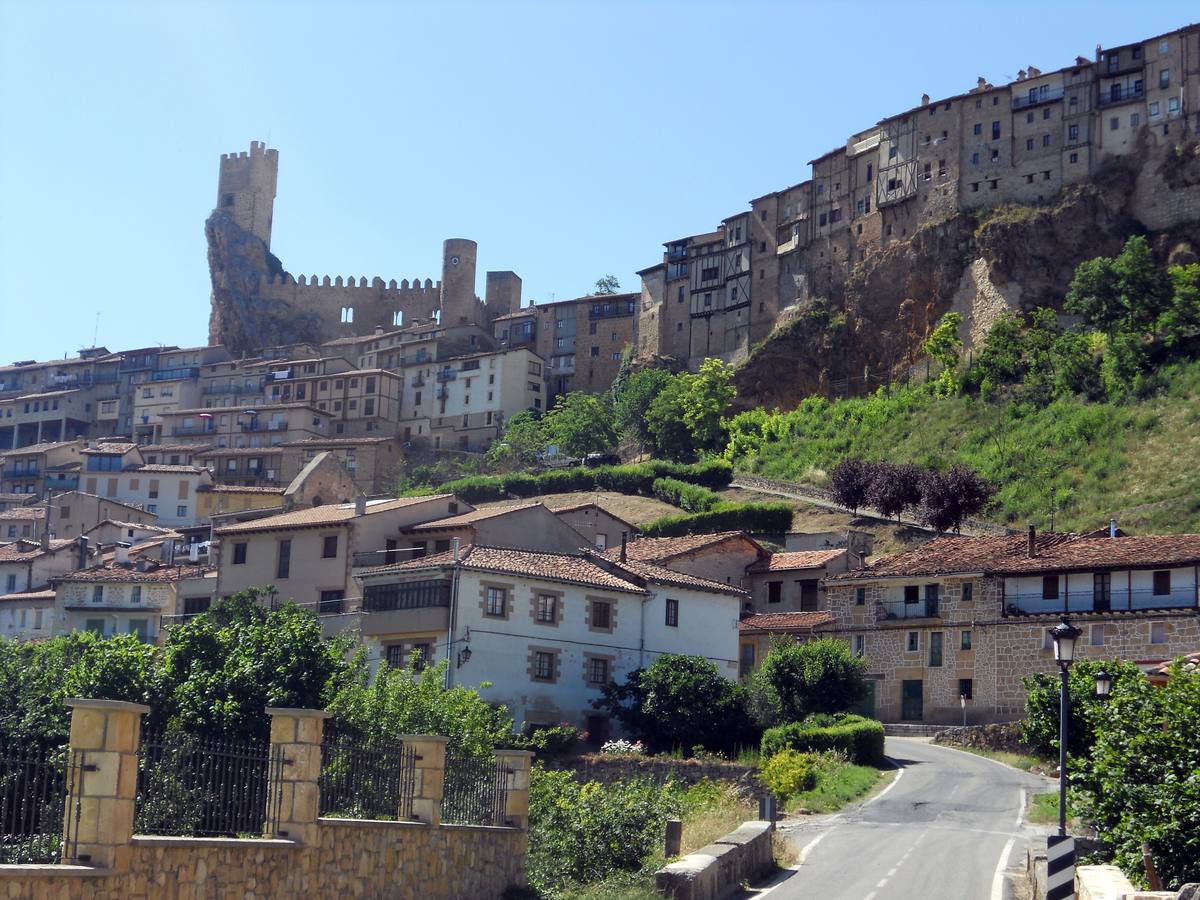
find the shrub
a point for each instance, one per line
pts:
(521, 484)
(771, 518)
(553, 739)
(622, 747)
(1039, 728)
(796, 680)
(860, 739)
(789, 772)
(475, 488)
(690, 497)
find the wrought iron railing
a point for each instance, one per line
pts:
(39, 802)
(900, 609)
(475, 790)
(367, 780)
(205, 787)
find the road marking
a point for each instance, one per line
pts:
(809, 847)
(1021, 809)
(899, 773)
(892, 871)
(998, 876)
(871, 896)
(882, 882)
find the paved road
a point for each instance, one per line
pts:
(946, 828)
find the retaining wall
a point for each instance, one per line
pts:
(719, 869)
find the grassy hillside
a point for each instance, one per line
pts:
(1080, 462)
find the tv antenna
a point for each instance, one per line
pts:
(96, 331)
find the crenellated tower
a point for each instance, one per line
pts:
(246, 188)
(459, 305)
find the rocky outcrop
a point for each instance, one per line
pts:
(243, 319)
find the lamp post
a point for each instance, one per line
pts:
(1065, 636)
(1103, 685)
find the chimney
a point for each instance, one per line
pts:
(924, 99)
(624, 544)
(455, 543)
(379, 329)
(1034, 71)
(981, 83)
(1112, 528)
(360, 505)
(121, 556)
(82, 559)
(1097, 53)
(1032, 541)
(1021, 75)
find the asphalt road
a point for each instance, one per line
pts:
(947, 828)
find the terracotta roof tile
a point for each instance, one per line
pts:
(323, 515)
(466, 520)
(38, 448)
(651, 549)
(158, 467)
(662, 575)
(25, 550)
(26, 596)
(238, 489)
(130, 575)
(318, 443)
(240, 451)
(787, 622)
(797, 559)
(120, 447)
(22, 513)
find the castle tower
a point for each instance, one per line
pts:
(459, 306)
(502, 293)
(246, 188)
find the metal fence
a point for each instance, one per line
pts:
(204, 787)
(38, 785)
(475, 790)
(361, 780)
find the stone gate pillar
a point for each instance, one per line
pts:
(516, 806)
(430, 775)
(297, 735)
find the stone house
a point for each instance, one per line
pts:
(27, 615)
(540, 632)
(598, 526)
(29, 565)
(723, 557)
(952, 628)
(71, 514)
(41, 467)
(521, 526)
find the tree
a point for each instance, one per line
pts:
(954, 495)
(580, 424)
(679, 702)
(1077, 369)
(1122, 366)
(524, 438)
(798, 679)
(1039, 727)
(633, 400)
(1181, 319)
(1000, 358)
(894, 488)
(945, 346)
(706, 400)
(849, 482)
(1125, 293)
(665, 421)
(607, 284)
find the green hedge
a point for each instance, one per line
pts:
(691, 498)
(860, 739)
(632, 479)
(771, 518)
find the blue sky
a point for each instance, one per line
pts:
(569, 139)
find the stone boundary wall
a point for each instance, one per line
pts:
(608, 768)
(1002, 736)
(720, 869)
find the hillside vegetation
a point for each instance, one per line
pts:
(1073, 460)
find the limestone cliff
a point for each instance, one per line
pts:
(243, 319)
(979, 263)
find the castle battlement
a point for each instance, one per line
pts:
(373, 284)
(257, 148)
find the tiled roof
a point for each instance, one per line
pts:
(1053, 553)
(573, 569)
(135, 525)
(26, 596)
(120, 447)
(318, 516)
(174, 448)
(788, 621)
(158, 467)
(519, 314)
(24, 512)
(796, 559)
(130, 575)
(21, 499)
(590, 504)
(1191, 663)
(38, 448)
(25, 550)
(240, 451)
(238, 489)
(665, 548)
(468, 519)
(662, 575)
(318, 443)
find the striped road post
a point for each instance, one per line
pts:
(1060, 867)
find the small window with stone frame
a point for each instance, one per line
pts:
(543, 666)
(497, 602)
(601, 614)
(672, 613)
(913, 642)
(547, 609)
(597, 670)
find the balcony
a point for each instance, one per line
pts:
(62, 482)
(405, 606)
(1118, 93)
(1037, 97)
(442, 393)
(1120, 65)
(447, 375)
(611, 310)
(176, 374)
(677, 253)
(418, 381)
(23, 471)
(899, 609)
(263, 426)
(239, 388)
(186, 430)
(1117, 600)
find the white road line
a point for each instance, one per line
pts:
(871, 896)
(1021, 809)
(808, 848)
(899, 773)
(882, 882)
(892, 871)
(998, 876)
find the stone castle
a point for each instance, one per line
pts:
(257, 304)
(860, 233)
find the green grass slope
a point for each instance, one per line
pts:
(1075, 461)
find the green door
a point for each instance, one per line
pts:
(911, 701)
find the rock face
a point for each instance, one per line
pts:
(243, 318)
(978, 263)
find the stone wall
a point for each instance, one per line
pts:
(719, 869)
(998, 736)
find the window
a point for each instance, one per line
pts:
(95, 626)
(1164, 78)
(1046, 113)
(283, 566)
(12, 584)
(547, 609)
(497, 602)
(995, 156)
(135, 594)
(1048, 639)
(774, 591)
(1162, 583)
(239, 553)
(1114, 123)
(746, 660)
(860, 645)
(1074, 157)
(913, 642)
(1102, 591)
(1050, 587)
(1173, 105)
(1155, 110)
(965, 688)
(329, 546)
(597, 670)
(181, 512)
(935, 648)
(964, 640)
(995, 131)
(808, 594)
(543, 666)
(331, 603)
(1028, 117)
(912, 593)
(1158, 632)
(395, 656)
(97, 593)
(1096, 636)
(860, 596)
(1045, 140)
(1073, 133)
(595, 351)
(968, 592)
(978, 128)
(601, 614)
(672, 613)
(193, 606)
(1029, 143)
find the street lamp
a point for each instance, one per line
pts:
(1065, 636)
(1103, 685)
